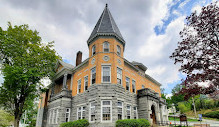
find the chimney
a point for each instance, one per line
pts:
(78, 58)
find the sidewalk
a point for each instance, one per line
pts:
(212, 123)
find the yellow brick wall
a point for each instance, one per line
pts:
(126, 70)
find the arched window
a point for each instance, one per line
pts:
(118, 50)
(106, 47)
(93, 50)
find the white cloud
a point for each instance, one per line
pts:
(197, 8)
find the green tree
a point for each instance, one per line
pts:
(24, 61)
(5, 119)
(176, 96)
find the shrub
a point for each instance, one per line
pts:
(77, 123)
(214, 114)
(132, 123)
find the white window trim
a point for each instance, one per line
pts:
(84, 81)
(108, 46)
(102, 73)
(91, 75)
(51, 115)
(129, 82)
(81, 111)
(90, 112)
(57, 113)
(68, 114)
(78, 86)
(122, 108)
(130, 111)
(136, 112)
(135, 86)
(103, 121)
(121, 74)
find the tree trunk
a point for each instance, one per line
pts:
(194, 107)
(16, 122)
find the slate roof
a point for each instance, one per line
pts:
(106, 26)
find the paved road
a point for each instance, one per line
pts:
(212, 123)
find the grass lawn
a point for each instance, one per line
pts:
(177, 119)
(202, 111)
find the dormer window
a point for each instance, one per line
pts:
(106, 47)
(118, 50)
(93, 50)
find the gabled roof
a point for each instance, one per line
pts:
(140, 65)
(106, 26)
(64, 64)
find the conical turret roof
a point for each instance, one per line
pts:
(106, 26)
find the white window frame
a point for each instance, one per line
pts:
(122, 109)
(118, 50)
(50, 116)
(130, 110)
(69, 111)
(102, 73)
(102, 111)
(93, 50)
(90, 111)
(82, 110)
(85, 82)
(78, 86)
(92, 76)
(133, 85)
(135, 111)
(117, 75)
(54, 116)
(126, 83)
(57, 114)
(104, 43)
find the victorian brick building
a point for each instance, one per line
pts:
(103, 88)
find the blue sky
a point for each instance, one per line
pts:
(150, 28)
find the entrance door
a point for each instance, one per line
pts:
(153, 114)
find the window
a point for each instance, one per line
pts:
(133, 86)
(119, 76)
(81, 113)
(135, 113)
(93, 75)
(142, 86)
(92, 111)
(106, 110)
(106, 74)
(118, 50)
(127, 80)
(120, 110)
(54, 116)
(128, 111)
(57, 115)
(67, 115)
(93, 50)
(79, 86)
(85, 82)
(106, 47)
(50, 117)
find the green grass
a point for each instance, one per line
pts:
(177, 119)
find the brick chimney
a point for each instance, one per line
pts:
(78, 58)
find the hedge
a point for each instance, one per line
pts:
(77, 123)
(133, 123)
(214, 114)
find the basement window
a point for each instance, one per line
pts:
(120, 110)
(67, 115)
(128, 111)
(106, 108)
(135, 113)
